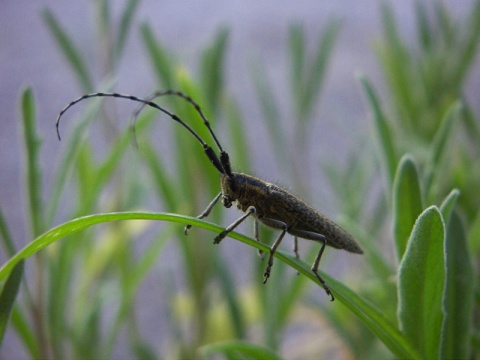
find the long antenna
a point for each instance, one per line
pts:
(185, 97)
(208, 150)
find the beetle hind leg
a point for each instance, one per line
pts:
(320, 238)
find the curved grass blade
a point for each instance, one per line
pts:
(371, 317)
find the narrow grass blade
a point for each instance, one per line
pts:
(439, 145)
(25, 333)
(238, 350)
(470, 46)
(422, 284)
(316, 75)
(69, 51)
(459, 294)
(125, 25)
(383, 130)
(32, 147)
(296, 40)
(407, 203)
(270, 110)
(8, 295)
(238, 136)
(231, 297)
(396, 61)
(161, 61)
(6, 236)
(212, 66)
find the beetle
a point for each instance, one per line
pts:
(266, 202)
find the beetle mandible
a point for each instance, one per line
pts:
(266, 202)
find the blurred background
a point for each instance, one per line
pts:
(286, 86)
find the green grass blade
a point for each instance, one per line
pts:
(25, 333)
(407, 203)
(423, 27)
(125, 25)
(375, 321)
(459, 294)
(270, 110)
(32, 146)
(238, 350)
(396, 61)
(238, 137)
(69, 51)
(440, 142)
(296, 41)
(383, 130)
(470, 46)
(7, 239)
(8, 295)
(161, 61)
(422, 284)
(212, 65)
(231, 298)
(315, 78)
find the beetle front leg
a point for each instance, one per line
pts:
(204, 213)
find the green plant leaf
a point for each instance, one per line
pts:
(449, 204)
(407, 202)
(8, 295)
(459, 294)
(238, 350)
(422, 284)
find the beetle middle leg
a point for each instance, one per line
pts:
(279, 225)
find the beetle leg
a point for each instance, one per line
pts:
(205, 212)
(316, 237)
(251, 210)
(295, 249)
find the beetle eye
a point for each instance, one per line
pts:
(226, 201)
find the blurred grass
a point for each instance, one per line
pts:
(82, 294)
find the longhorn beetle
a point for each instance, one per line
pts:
(265, 202)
